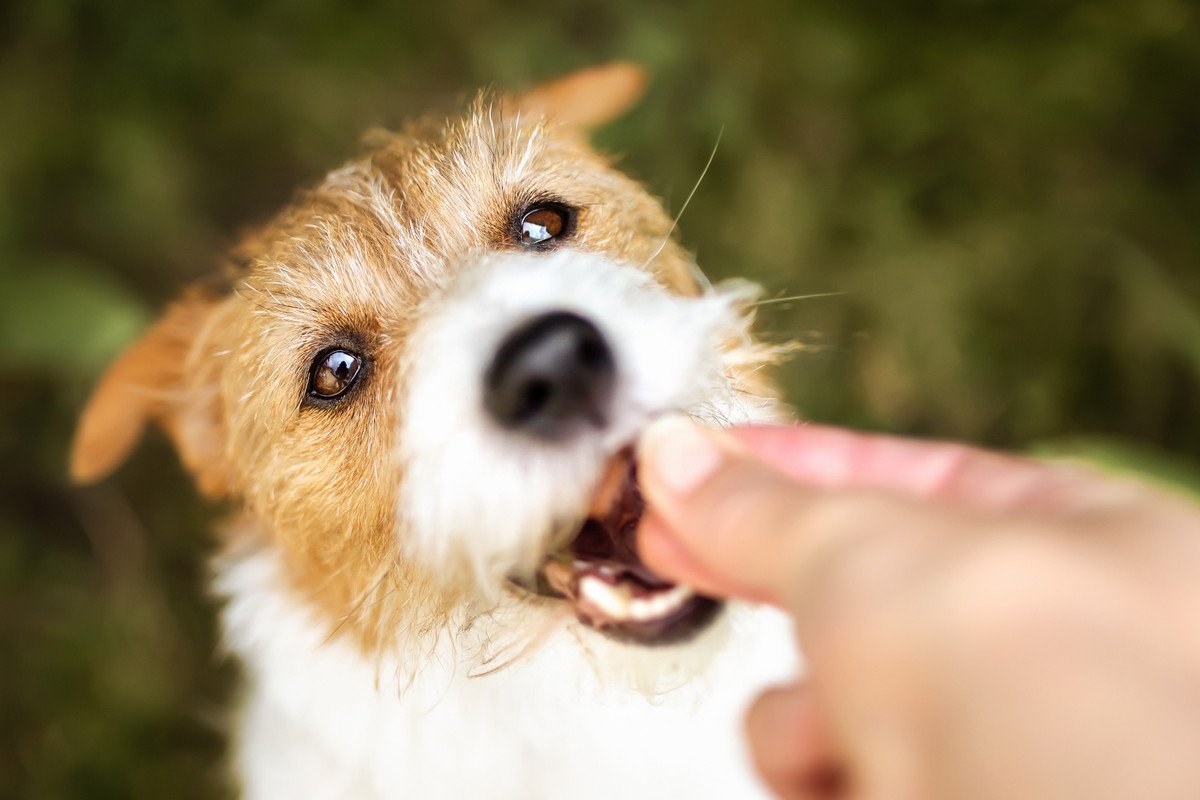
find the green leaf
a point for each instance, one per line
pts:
(63, 317)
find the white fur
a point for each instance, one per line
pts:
(510, 492)
(323, 723)
(524, 702)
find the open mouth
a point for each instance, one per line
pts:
(601, 575)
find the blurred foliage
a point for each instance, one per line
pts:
(1005, 197)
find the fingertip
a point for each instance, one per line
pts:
(659, 549)
(664, 553)
(676, 456)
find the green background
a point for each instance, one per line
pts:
(1005, 197)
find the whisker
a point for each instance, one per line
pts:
(775, 300)
(675, 222)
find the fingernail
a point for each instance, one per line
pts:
(680, 454)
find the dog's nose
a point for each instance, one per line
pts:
(552, 375)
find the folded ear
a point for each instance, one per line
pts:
(588, 98)
(162, 377)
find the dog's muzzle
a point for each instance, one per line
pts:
(553, 376)
(536, 376)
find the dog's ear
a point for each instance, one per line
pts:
(588, 98)
(167, 376)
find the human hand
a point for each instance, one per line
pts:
(975, 625)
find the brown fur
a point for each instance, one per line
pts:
(355, 258)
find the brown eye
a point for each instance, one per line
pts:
(333, 373)
(544, 223)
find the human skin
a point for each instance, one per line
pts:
(975, 625)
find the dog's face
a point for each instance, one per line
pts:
(425, 381)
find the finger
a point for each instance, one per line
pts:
(791, 745)
(664, 553)
(750, 529)
(834, 458)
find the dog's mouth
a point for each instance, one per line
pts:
(601, 575)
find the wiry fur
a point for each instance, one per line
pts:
(523, 492)
(367, 570)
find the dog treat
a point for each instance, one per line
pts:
(611, 483)
(602, 575)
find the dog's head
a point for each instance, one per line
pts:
(425, 381)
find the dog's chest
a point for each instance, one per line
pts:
(571, 718)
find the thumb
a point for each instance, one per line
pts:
(722, 521)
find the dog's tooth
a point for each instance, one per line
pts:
(613, 600)
(616, 601)
(643, 610)
(660, 604)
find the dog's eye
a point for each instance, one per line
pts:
(333, 373)
(544, 223)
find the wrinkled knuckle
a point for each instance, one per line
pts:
(956, 460)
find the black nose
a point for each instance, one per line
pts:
(551, 376)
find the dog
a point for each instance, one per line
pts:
(421, 389)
